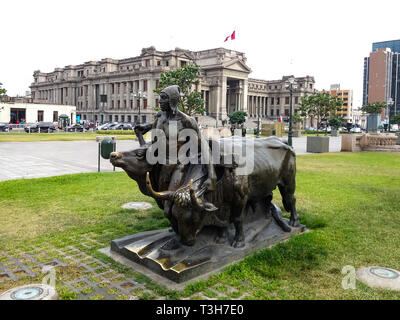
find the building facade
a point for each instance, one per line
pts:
(381, 81)
(106, 90)
(24, 112)
(346, 109)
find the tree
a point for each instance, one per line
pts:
(319, 105)
(297, 118)
(374, 107)
(237, 117)
(335, 121)
(3, 92)
(395, 119)
(187, 78)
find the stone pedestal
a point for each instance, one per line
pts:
(161, 252)
(317, 144)
(334, 133)
(351, 142)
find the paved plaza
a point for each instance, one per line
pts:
(44, 159)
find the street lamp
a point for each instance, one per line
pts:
(258, 121)
(389, 103)
(139, 95)
(291, 85)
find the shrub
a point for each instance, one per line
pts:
(116, 132)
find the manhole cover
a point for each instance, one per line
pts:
(30, 292)
(384, 273)
(379, 277)
(137, 205)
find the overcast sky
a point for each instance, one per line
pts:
(324, 39)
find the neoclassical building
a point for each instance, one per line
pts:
(106, 90)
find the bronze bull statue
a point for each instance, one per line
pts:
(190, 208)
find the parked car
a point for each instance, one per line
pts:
(41, 127)
(101, 126)
(75, 128)
(112, 126)
(108, 126)
(122, 126)
(5, 127)
(355, 129)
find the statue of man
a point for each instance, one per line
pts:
(169, 100)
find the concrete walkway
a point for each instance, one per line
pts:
(44, 159)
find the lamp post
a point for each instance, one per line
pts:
(291, 85)
(258, 121)
(138, 95)
(389, 103)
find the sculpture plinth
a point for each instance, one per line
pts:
(162, 253)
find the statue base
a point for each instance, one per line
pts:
(161, 252)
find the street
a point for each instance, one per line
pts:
(44, 159)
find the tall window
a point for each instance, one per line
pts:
(296, 100)
(145, 85)
(272, 101)
(286, 100)
(144, 103)
(119, 87)
(157, 82)
(119, 104)
(278, 101)
(112, 88)
(40, 115)
(55, 116)
(131, 104)
(147, 62)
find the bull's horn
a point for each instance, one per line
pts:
(195, 201)
(164, 195)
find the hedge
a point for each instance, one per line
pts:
(116, 132)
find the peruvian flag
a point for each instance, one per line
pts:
(280, 119)
(232, 36)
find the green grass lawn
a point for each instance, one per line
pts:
(70, 136)
(350, 201)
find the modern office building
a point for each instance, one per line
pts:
(106, 90)
(346, 110)
(381, 81)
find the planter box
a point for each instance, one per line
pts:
(373, 122)
(317, 144)
(334, 133)
(297, 133)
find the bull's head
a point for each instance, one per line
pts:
(188, 211)
(133, 162)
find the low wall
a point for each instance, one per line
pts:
(368, 142)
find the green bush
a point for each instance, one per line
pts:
(116, 132)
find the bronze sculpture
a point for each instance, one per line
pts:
(219, 210)
(192, 200)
